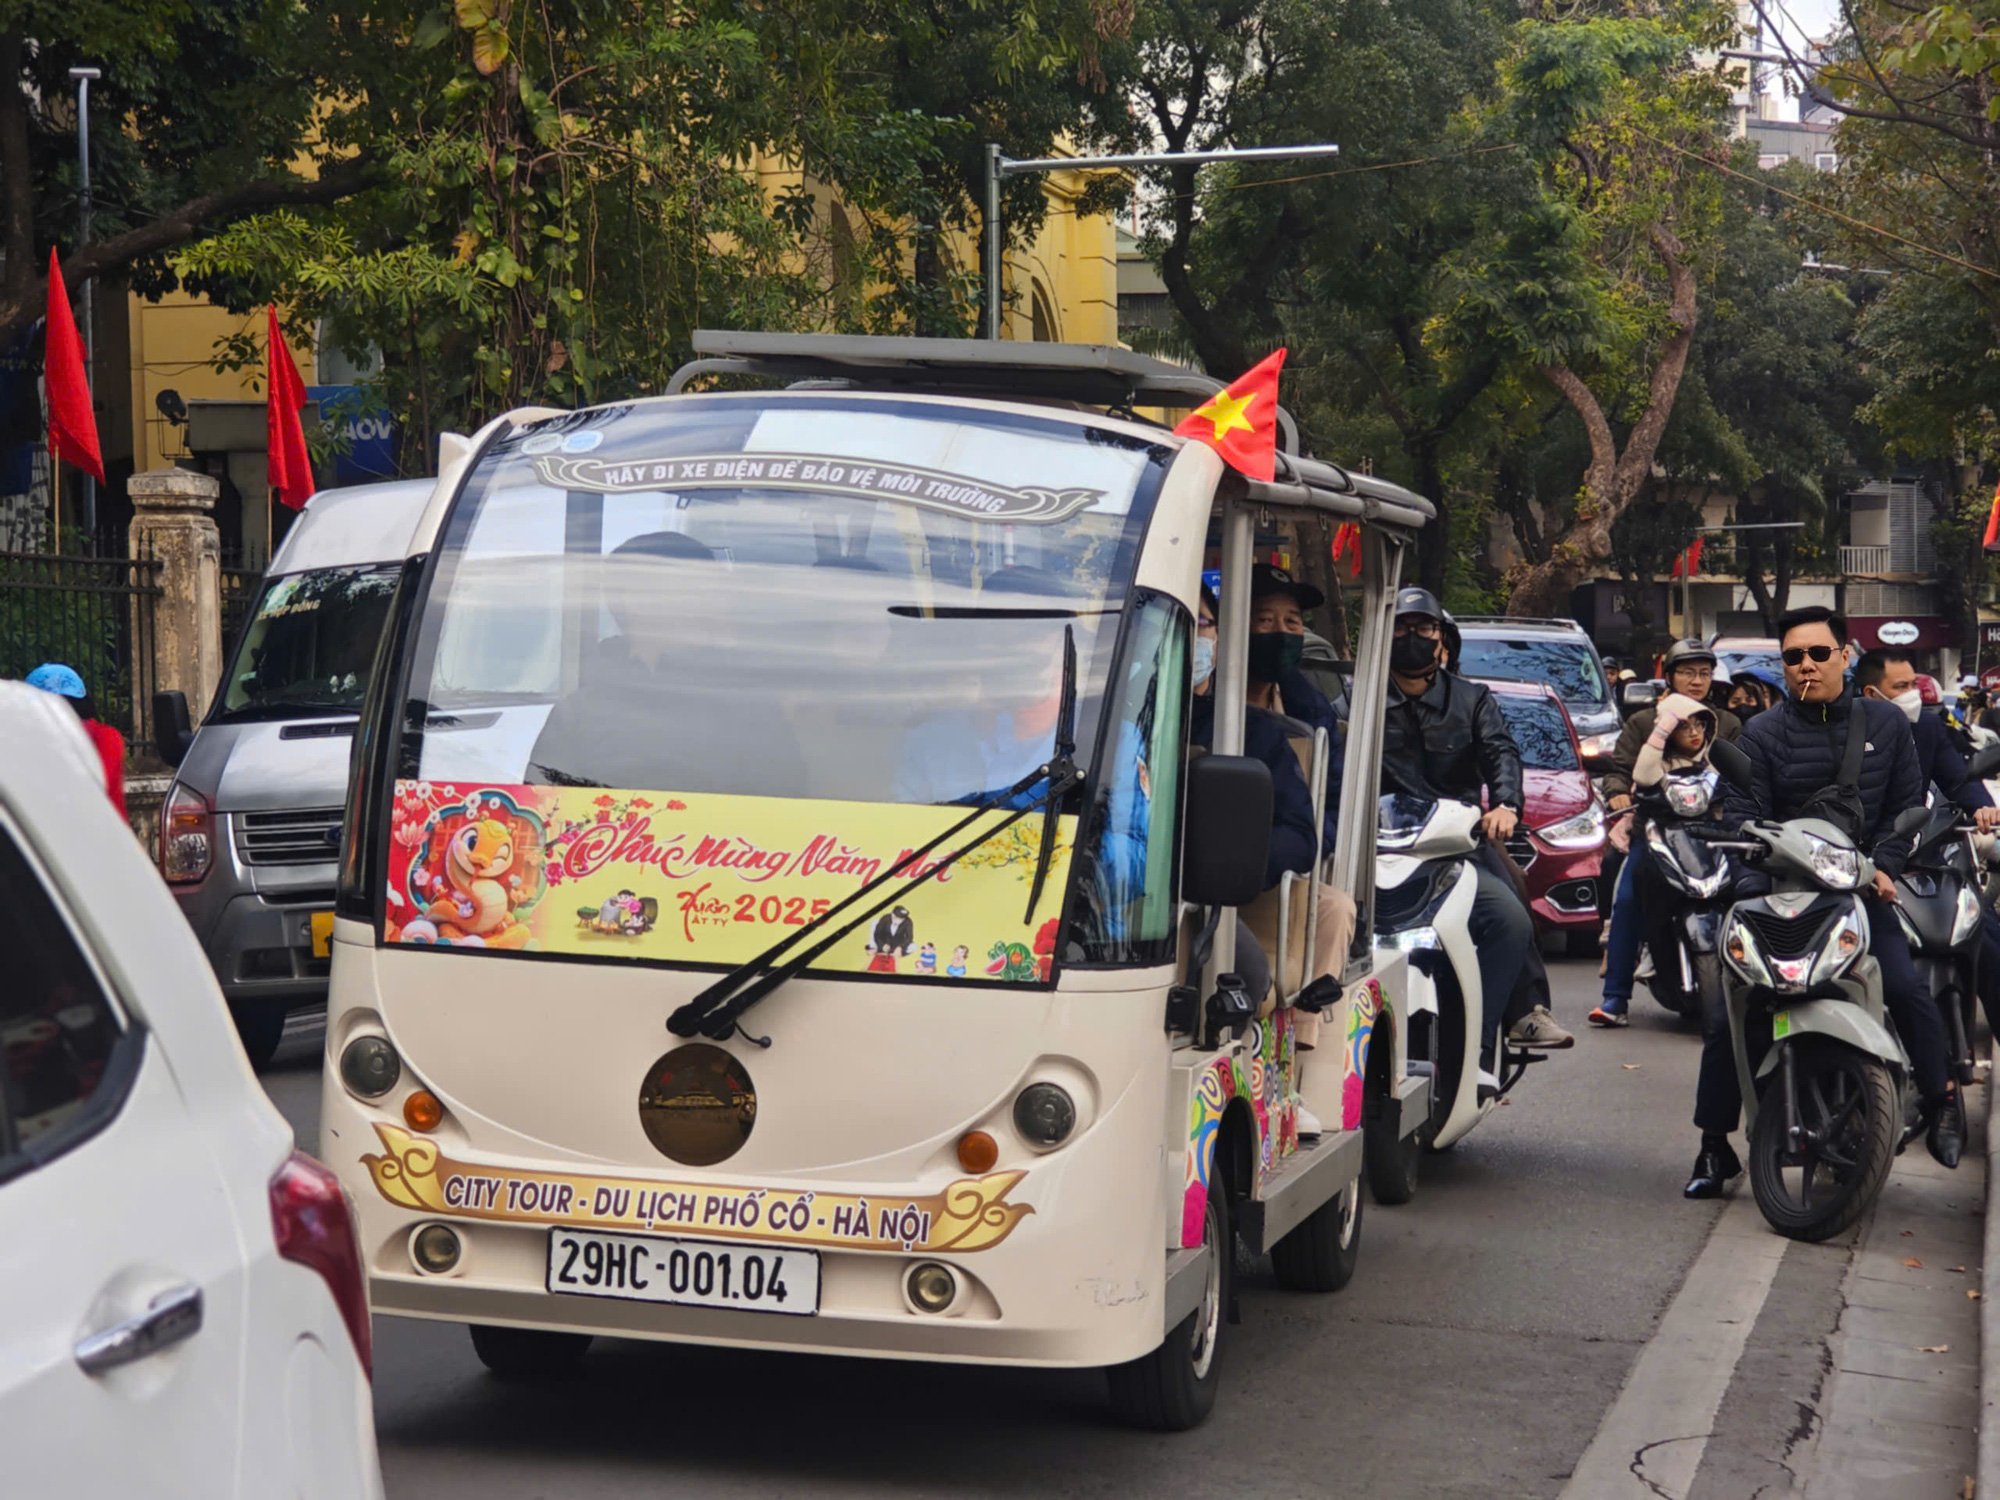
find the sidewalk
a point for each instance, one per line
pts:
(1899, 1414)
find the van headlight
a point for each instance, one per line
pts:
(1843, 945)
(1835, 868)
(1584, 831)
(1966, 918)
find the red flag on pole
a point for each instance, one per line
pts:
(72, 424)
(286, 464)
(1348, 533)
(1689, 562)
(1992, 522)
(1241, 423)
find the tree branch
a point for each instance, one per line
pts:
(15, 172)
(1644, 440)
(1603, 446)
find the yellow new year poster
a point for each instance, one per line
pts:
(717, 879)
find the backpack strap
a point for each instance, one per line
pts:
(1857, 738)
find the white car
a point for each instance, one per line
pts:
(182, 1308)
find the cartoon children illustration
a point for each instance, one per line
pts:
(891, 940)
(927, 959)
(956, 968)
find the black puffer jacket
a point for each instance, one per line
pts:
(1451, 742)
(1795, 749)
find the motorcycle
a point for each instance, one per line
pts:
(1686, 939)
(1943, 891)
(1424, 887)
(1827, 1105)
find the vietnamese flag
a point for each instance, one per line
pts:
(286, 465)
(1241, 423)
(1689, 562)
(72, 424)
(1992, 522)
(1348, 534)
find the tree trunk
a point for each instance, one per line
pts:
(1614, 478)
(16, 173)
(1434, 548)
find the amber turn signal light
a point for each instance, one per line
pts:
(422, 1110)
(977, 1151)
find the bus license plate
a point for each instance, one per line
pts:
(695, 1273)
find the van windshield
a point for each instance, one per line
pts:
(860, 599)
(309, 645)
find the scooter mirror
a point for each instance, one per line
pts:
(1911, 819)
(1633, 696)
(1986, 763)
(1733, 764)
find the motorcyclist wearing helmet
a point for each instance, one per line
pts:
(1444, 737)
(1689, 668)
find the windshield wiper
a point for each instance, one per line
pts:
(1062, 764)
(715, 1011)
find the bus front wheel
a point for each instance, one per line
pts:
(1173, 1388)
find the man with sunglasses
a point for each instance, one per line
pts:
(1795, 750)
(1445, 737)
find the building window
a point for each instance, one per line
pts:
(1044, 317)
(1772, 159)
(1826, 161)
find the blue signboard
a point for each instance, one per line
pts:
(370, 436)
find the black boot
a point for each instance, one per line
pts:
(1713, 1168)
(1946, 1136)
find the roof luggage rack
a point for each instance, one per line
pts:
(1565, 624)
(1091, 374)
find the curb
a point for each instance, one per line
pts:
(1989, 1312)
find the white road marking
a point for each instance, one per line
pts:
(1651, 1442)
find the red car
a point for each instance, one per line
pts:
(1559, 845)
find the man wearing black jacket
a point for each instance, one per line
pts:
(1445, 737)
(1795, 750)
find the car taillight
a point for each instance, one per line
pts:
(314, 1226)
(187, 836)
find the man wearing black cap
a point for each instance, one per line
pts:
(1445, 737)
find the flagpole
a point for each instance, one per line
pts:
(88, 509)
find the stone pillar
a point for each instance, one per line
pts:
(181, 647)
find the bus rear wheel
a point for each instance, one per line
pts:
(1173, 1388)
(1320, 1255)
(528, 1355)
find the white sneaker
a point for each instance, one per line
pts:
(1308, 1122)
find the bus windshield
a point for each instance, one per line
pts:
(309, 645)
(804, 596)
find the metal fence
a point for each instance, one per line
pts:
(242, 578)
(94, 615)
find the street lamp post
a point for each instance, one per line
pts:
(83, 77)
(1000, 166)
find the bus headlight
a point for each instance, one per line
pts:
(369, 1066)
(1045, 1114)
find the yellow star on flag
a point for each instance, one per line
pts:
(1225, 413)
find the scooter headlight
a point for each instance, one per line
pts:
(1965, 920)
(1677, 873)
(1688, 798)
(1835, 868)
(1847, 942)
(1739, 951)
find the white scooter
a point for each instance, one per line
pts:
(1424, 886)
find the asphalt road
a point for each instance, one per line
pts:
(1485, 1336)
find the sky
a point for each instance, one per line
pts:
(1799, 20)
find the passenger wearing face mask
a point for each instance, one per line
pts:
(1444, 737)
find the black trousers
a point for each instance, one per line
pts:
(1718, 1101)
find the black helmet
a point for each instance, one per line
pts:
(1684, 654)
(1419, 602)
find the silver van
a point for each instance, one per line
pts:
(250, 832)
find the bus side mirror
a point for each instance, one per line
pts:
(173, 731)
(1227, 833)
(1733, 764)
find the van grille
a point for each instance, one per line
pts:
(302, 837)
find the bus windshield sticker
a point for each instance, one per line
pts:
(700, 878)
(929, 489)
